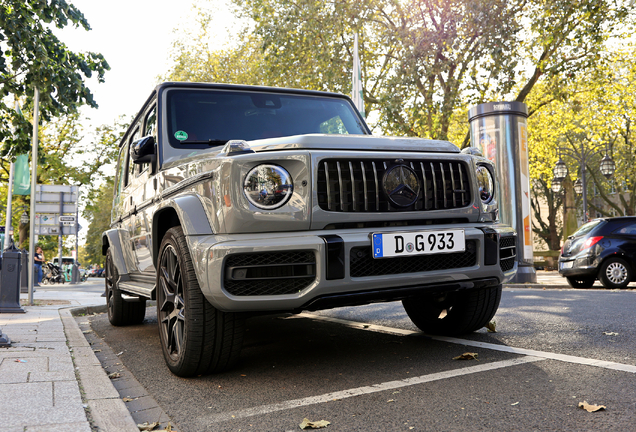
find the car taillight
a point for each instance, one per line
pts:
(591, 242)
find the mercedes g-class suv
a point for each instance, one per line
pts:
(232, 201)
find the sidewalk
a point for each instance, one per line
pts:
(50, 378)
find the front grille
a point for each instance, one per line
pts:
(507, 252)
(350, 185)
(362, 262)
(269, 273)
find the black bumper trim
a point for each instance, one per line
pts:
(392, 294)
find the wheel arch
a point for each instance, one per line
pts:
(111, 239)
(185, 211)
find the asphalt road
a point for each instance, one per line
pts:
(369, 369)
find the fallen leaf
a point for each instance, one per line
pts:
(314, 425)
(114, 375)
(127, 399)
(492, 326)
(145, 426)
(97, 350)
(87, 331)
(610, 333)
(591, 408)
(467, 356)
(516, 403)
(390, 400)
(118, 354)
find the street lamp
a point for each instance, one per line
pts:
(581, 155)
(556, 185)
(560, 170)
(608, 166)
(578, 186)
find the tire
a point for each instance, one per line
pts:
(466, 311)
(196, 338)
(581, 281)
(615, 273)
(120, 311)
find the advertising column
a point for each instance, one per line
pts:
(499, 130)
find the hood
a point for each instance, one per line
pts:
(353, 142)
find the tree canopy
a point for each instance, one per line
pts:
(32, 56)
(424, 62)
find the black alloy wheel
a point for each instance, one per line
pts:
(121, 311)
(196, 338)
(170, 305)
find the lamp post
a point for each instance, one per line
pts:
(582, 155)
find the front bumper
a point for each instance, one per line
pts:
(312, 270)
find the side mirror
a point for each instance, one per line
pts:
(143, 150)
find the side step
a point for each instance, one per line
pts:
(139, 289)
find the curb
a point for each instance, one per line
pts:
(108, 411)
(538, 286)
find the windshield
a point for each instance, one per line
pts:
(199, 118)
(587, 228)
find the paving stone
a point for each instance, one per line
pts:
(61, 427)
(84, 356)
(96, 383)
(14, 377)
(152, 415)
(112, 415)
(52, 376)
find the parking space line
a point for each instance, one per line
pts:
(389, 385)
(504, 348)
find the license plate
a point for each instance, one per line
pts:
(386, 245)
(566, 264)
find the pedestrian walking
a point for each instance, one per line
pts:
(38, 261)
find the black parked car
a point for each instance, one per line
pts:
(603, 249)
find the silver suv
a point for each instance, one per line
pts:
(232, 201)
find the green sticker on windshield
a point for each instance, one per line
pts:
(181, 135)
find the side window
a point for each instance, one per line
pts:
(131, 166)
(150, 123)
(150, 128)
(122, 181)
(629, 229)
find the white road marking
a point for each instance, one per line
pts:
(389, 385)
(522, 351)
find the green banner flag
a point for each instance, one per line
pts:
(22, 177)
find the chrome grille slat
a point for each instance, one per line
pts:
(341, 183)
(353, 188)
(441, 168)
(328, 186)
(452, 174)
(444, 183)
(461, 184)
(377, 188)
(364, 180)
(434, 186)
(424, 186)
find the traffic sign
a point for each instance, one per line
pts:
(55, 208)
(53, 230)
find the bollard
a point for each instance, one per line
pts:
(75, 274)
(4, 339)
(10, 283)
(24, 273)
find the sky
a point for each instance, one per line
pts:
(135, 37)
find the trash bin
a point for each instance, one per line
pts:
(10, 283)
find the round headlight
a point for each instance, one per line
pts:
(268, 186)
(486, 184)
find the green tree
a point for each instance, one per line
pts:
(98, 213)
(32, 56)
(424, 62)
